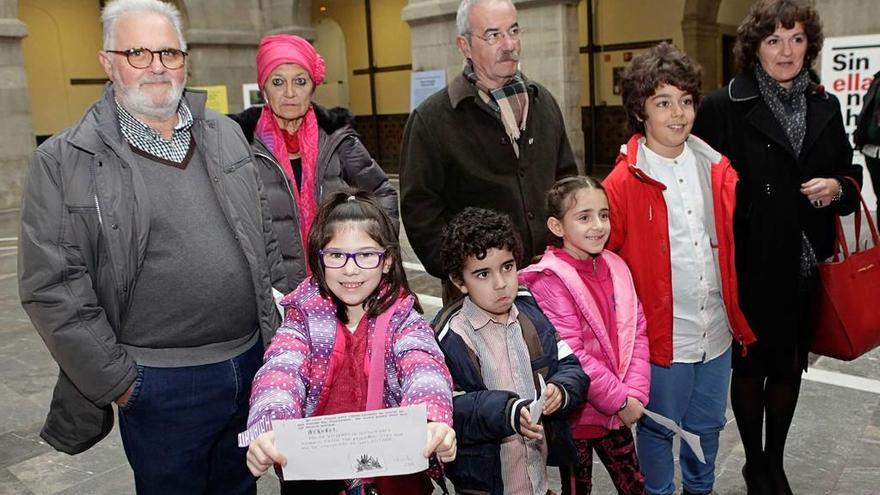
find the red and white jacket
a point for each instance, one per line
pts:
(640, 235)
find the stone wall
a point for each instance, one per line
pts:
(16, 137)
(849, 17)
(702, 38)
(223, 36)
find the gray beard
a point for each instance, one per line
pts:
(139, 104)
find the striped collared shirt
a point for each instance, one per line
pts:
(147, 139)
(523, 461)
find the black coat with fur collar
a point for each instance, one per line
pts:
(342, 161)
(771, 212)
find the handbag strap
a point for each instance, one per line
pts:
(376, 378)
(841, 236)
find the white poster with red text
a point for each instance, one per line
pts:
(848, 67)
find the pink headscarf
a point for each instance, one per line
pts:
(280, 49)
(276, 50)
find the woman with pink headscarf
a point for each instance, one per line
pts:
(305, 151)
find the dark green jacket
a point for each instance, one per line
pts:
(455, 153)
(85, 221)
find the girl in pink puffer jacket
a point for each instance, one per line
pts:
(588, 295)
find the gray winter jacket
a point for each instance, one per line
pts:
(84, 227)
(342, 161)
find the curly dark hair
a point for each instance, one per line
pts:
(351, 205)
(473, 232)
(763, 19)
(662, 64)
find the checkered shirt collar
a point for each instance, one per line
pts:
(145, 138)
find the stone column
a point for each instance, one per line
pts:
(702, 39)
(16, 133)
(222, 57)
(549, 49)
(223, 36)
(848, 17)
(288, 16)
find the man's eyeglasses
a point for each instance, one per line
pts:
(141, 58)
(366, 260)
(494, 37)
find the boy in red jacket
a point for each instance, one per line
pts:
(672, 198)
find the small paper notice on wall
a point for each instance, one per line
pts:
(217, 98)
(423, 84)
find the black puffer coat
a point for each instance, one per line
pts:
(342, 161)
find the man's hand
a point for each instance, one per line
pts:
(552, 399)
(262, 454)
(632, 412)
(526, 428)
(441, 440)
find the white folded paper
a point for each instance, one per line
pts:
(537, 406)
(386, 442)
(692, 439)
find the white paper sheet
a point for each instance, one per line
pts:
(692, 439)
(386, 442)
(537, 405)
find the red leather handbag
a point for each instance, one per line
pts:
(849, 300)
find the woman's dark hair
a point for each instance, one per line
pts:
(473, 232)
(561, 197)
(763, 19)
(355, 206)
(662, 64)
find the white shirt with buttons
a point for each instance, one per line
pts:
(700, 330)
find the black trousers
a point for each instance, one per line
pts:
(873, 165)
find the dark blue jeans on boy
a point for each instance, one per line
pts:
(695, 396)
(180, 426)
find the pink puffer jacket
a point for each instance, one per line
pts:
(565, 299)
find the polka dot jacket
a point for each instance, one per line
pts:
(299, 363)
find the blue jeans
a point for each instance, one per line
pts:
(694, 395)
(180, 425)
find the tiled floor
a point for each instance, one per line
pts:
(834, 445)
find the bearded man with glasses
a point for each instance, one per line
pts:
(491, 139)
(147, 265)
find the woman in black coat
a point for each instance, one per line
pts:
(785, 137)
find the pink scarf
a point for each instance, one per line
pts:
(275, 50)
(270, 134)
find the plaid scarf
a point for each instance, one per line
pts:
(511, 101)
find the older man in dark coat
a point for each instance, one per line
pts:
(491, 139)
